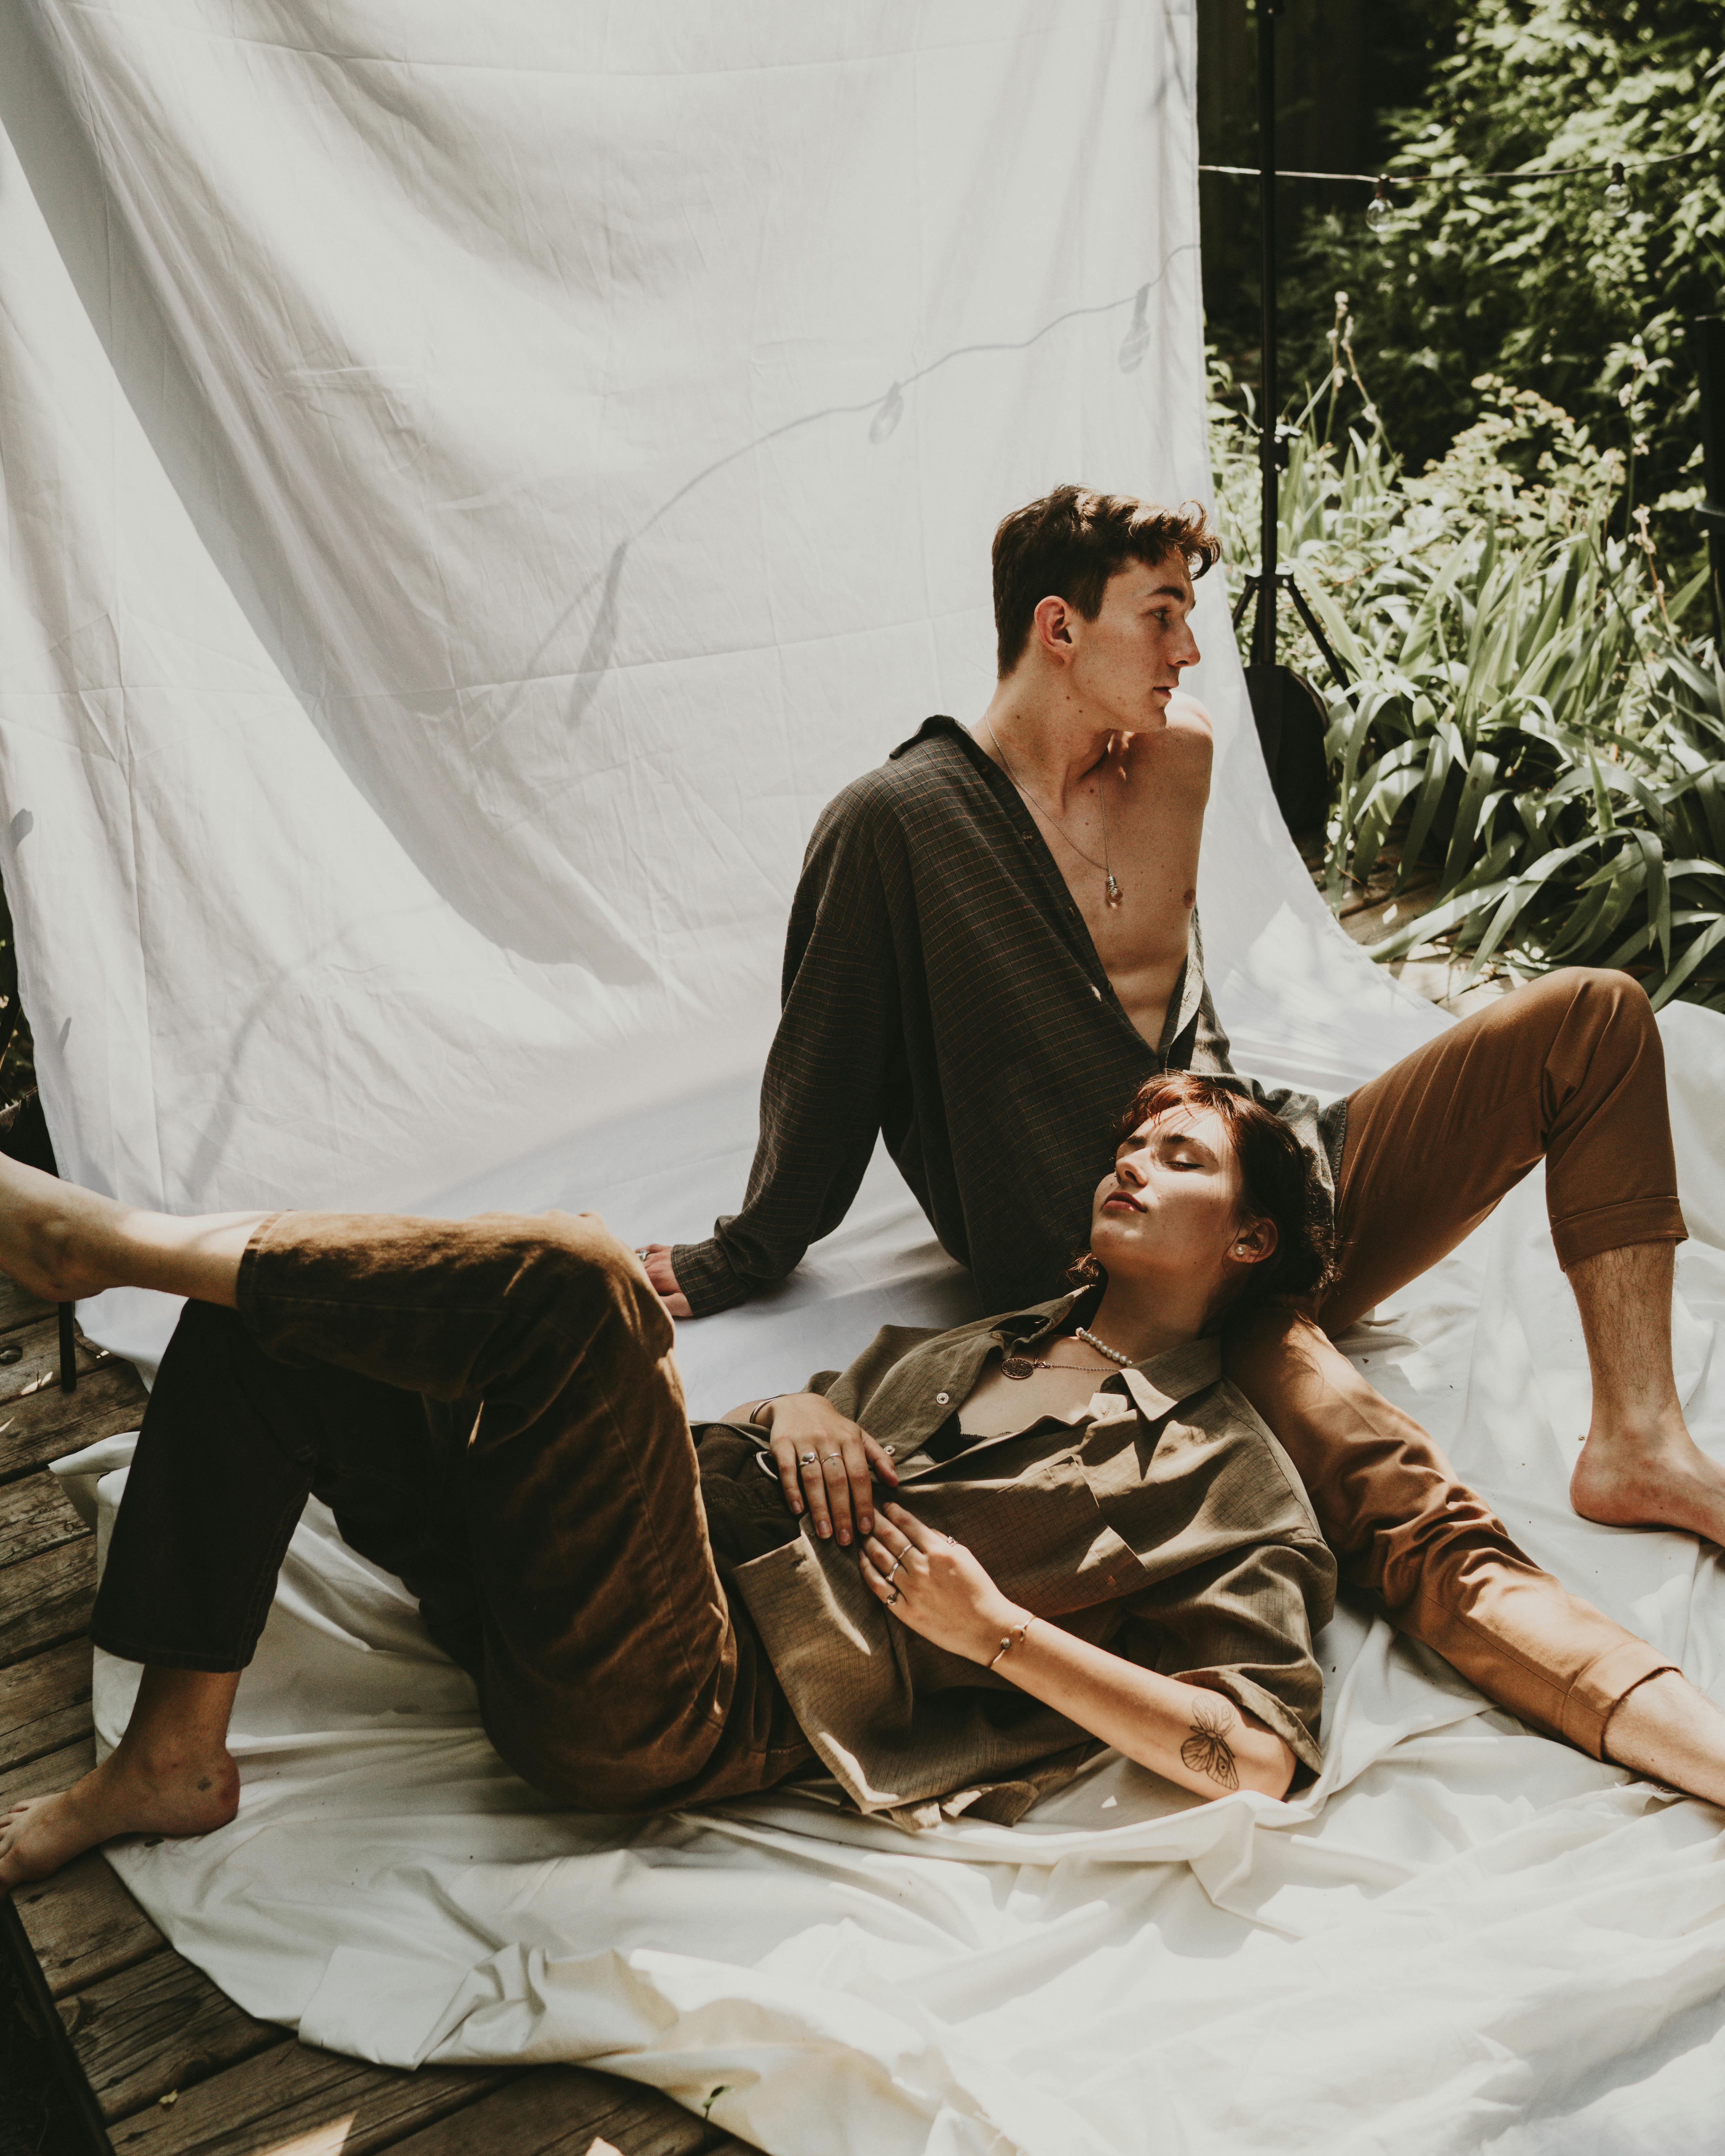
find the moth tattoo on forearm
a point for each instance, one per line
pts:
(1207, 1750)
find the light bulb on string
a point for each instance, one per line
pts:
(1617, 193)
(1378, 213)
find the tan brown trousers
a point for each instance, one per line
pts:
(1570, 1069)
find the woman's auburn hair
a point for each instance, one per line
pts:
(1279, 1182)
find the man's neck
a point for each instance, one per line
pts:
(1047, 742)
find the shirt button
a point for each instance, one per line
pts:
(941, 1398)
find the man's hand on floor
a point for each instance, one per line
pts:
(656, 1257)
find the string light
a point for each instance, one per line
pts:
(1378, 210)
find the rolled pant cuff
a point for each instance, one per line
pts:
(1602, 1687)
(1616, 1226)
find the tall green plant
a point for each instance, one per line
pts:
(1528, 728)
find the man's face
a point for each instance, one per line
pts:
(1127, 662)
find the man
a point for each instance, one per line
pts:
(995, 932)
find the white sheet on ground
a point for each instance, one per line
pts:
(477, 483)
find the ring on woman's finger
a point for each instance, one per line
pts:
(894, 1596)
(830, 1457)
(897, 1562)
(808, 1459)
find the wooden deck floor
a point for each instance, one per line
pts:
(161, 2063)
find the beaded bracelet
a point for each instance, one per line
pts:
(1015, 1638)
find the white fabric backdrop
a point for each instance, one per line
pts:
(475, 485)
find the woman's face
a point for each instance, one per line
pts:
(1172, 1204)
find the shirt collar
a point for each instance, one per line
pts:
(1156, 1387)
(940, 727)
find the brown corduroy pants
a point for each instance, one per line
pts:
(1570, 1069)
(490, 1409)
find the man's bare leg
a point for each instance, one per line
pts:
(63, 1244)
(1671, 1732)
(170, 1773)
(1640, 1467)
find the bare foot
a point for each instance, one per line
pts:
(1663, 1480)
(54, 1236)
(124, 1795)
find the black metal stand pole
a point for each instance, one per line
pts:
(69, 1349)
(1269, 391)
(1708, 337)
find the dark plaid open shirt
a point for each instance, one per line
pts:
(942, 987)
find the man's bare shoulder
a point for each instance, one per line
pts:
(1179, 754)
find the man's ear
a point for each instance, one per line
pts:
(1051, 625)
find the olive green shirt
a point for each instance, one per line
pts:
(1161, 1521)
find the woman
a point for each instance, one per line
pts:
(1092, 1536)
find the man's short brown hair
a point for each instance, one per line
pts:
(1067, 546)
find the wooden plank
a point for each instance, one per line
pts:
(47, 1424)
(83, 1925)
(18, 1306)
(56, 1770)
(296, 2097)
(553, 2111)
(159, 2025)
(36, 1515)
(47, 1600)
(44, 1703)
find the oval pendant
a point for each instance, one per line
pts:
(1018, 1366)
(1110, 892)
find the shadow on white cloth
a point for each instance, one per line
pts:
(1462, 1933)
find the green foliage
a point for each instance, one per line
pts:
(1539, 282)
(1530, 730)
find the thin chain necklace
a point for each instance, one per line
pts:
(1111, 889)
(1020, 1365)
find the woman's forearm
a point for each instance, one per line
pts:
(1195, 1737)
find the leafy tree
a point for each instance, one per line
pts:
(1540, 283)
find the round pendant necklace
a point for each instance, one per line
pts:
(1110, 890)
(1024, 1366)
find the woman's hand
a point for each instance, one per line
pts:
(934, 1586)
(825, 1460)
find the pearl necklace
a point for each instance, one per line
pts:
(1102, 1346)
(1020, 1365)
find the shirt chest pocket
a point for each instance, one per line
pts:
(1043, 1537)
(1115, 1462)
